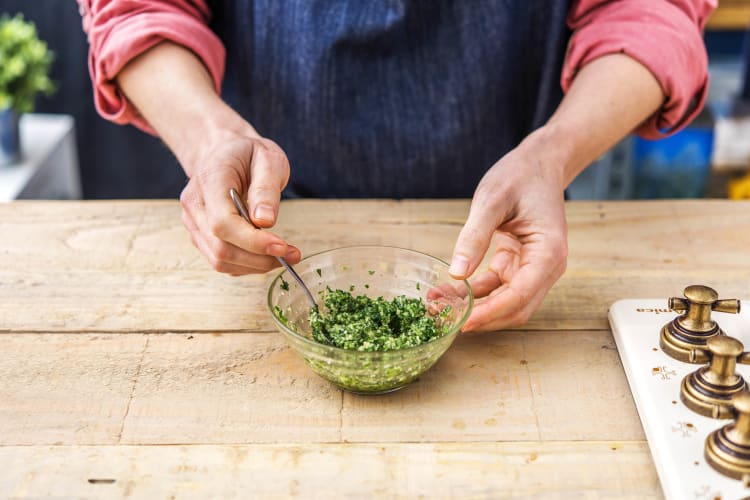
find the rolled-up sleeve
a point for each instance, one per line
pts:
(120, 30)
(664, 36)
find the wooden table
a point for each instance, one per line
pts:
(129, 367)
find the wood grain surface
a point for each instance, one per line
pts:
(398, 470)
(129, 362)
(129, 267)
(99, 389)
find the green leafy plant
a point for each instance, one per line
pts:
(24, 65)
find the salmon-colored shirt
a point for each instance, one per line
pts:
(663, 35)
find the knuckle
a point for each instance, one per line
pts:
(222, 252)
(486, 198)
(472, 236)
(222, 267)
(212, 261)
(264, 191)
(524, 315)
(265, 188)
(204, 174)
(561, 248)
(218, 265)
(276, 159)
(187, 197)
(218, 228)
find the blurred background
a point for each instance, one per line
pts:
(113, 161)
(70, 152)
(711, 157)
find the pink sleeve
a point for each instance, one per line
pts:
(119, 30)
(664, 36)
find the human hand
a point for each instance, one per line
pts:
(250, 164)
(520, 202)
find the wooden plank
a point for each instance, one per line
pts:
(128, 266)
(110, 388)
(251, 388)
(203, 302)
(439, 470)
(71, 389)
(507, 387)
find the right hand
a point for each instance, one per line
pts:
(254, 166)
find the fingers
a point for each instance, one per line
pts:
(474, 238)
(484, 283)
(269, 173)
(218, 217)
(250, 165)
(513, 302)
(228, 242)
(457, 289)
(222, 260)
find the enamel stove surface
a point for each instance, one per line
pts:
(676, 435)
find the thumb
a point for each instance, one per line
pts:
(473, 241)
(269, 173)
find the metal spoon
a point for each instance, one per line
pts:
(243, 212)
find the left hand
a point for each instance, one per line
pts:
(520, 202)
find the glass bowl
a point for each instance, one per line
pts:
(373, 271)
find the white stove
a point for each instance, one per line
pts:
(676, 434)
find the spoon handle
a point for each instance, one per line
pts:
(243, 212)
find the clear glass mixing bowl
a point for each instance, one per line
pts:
(373, 271)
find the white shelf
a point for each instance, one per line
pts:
(49, 165)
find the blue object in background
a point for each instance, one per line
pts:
(745, 94)
(675, 167)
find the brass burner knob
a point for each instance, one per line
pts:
(709, 390)
(728, 448)
(684, 338)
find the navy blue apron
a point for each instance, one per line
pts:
(392, 98)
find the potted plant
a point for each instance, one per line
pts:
(24, 73)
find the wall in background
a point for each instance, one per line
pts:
(122, 162)
(115, 161)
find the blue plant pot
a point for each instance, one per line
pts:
(10, 138)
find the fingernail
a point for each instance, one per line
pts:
(263, 212)
(293, 254)
(276, 249)
(459, 266)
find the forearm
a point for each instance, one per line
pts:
(608, 98)
(173, 91)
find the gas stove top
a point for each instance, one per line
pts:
(677, 434)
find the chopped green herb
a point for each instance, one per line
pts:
(367, 286)
(351, 288)
(418, 287)
(320, 273)
(365, 324)
(280, 315)
(371, 272)
(284, 285)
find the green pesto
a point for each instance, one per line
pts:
(364, 324)
(280, 315)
